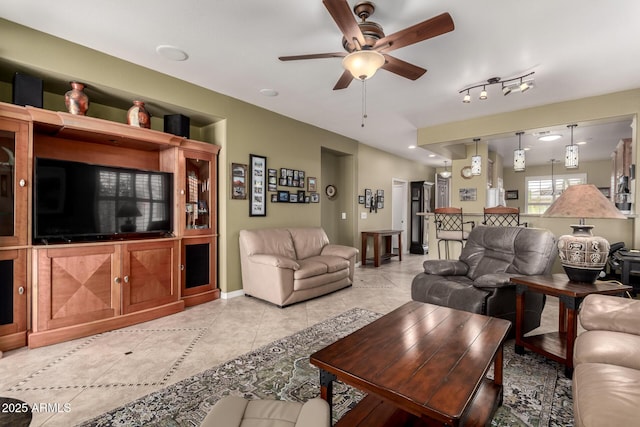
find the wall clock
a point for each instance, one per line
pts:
(331, 191)
(466, 172)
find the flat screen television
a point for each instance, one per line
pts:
(82, 202)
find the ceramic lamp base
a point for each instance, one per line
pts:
(582, 254)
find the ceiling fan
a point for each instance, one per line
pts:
(368, 36)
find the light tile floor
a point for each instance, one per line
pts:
(80, 379)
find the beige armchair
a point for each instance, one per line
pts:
(233, 411)
(289, 265)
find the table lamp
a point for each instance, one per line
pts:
(128, 211)
(583, 255)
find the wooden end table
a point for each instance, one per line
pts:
(421, 365)
(558, 345)
(377, 256)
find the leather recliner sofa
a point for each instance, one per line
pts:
(289, 265)
(479, 281)
(606, 375)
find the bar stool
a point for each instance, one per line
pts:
(450, 227)
(503, 216)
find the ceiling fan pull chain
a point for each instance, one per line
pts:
(364, 101)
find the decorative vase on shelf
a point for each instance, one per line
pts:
(76, 100)
(138, 115)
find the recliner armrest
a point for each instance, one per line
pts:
(445, 267)
(494, 280)
(341, 251)
(275, 261)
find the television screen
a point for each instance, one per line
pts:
(76, 201)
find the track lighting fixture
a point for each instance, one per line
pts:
(571, 152)
(476, 161)
(515, 84)
(518, 155)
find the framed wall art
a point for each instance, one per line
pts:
(238, 181)
(468, 194)
(258, 176)
(511, 195)
(311, 184)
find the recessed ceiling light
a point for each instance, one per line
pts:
(411, 147)
(172, 53)
(552, 137)
(581, 143)
(269, 92)
(432, 155)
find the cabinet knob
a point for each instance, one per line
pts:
(181, 267)
(117, 280)
(126, 279)
(21, 290)
(182, 192)
(22, 183)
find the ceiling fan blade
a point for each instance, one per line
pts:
(345, 19)
(433, 27)
(313, 56)
(402, 68)
(343, 81)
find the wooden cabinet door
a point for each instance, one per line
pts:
(149, 274)
(196, 192)
(198, 270)
(15, 181)
(13, 299)
(76, 285)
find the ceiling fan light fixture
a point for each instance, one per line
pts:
(363, 64)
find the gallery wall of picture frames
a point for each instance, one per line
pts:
(260, 180)
(372, 200)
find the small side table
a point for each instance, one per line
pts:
(559, 345)
(377, 256)
(630, 264)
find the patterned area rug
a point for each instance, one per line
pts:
(536, 392)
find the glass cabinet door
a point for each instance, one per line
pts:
(13, 182)
(197, 194)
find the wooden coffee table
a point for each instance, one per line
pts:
(557, 345)
(421, 364)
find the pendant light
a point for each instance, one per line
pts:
(518, 155)
(476, 161)
(445, 173)
(571, 152)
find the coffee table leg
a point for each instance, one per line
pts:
(326, 389)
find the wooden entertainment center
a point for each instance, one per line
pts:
(57, 292)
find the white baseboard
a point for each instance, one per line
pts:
(229, 295)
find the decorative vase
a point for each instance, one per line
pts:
(138, 115)
(76, 100)
(583, 255)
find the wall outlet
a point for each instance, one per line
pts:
(363, 215)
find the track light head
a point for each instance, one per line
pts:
(483, 94)
(467, 98)
(506, 90)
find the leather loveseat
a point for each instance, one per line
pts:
(606, 376)
(479, 281)
(289, 265)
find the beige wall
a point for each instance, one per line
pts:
(239, 128)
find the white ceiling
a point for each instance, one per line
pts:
(576, 49)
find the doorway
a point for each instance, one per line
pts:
(399, 202)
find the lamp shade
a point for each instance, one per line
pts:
(363, 64)
(583, 201)
(583, 255)
(128, 210)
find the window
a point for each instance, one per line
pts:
(541, 192)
